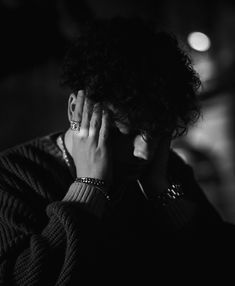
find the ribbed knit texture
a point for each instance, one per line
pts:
(87, 195)
(39, 232)
(49, 229)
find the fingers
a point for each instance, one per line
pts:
(93, 119)
(86, 117)
(104, 129)
(95, 123)
(77, 114)
(82, 113)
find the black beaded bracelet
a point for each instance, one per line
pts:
(171, 193)
(98, 183)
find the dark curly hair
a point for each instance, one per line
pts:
(144, 74)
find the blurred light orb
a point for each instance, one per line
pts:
(199, 41)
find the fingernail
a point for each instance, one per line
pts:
(97, 107)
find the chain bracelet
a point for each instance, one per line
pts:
(171, 193)
(98, 183)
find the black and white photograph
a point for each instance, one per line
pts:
(117, 142)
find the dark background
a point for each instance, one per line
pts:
(35, 35)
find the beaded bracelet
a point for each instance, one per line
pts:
(171, 193)
(99, 184)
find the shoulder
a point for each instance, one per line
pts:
(22, 166)
(29, 150)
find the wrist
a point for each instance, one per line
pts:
(98, 183)
(88, 196)
(172, 193)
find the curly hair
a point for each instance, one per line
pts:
(144, 74)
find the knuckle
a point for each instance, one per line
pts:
(76, 135)
(92, 131)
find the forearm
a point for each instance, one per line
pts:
(50, 255)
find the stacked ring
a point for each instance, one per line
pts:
(75, 125)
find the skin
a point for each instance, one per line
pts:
(108, 150)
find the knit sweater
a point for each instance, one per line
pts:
(50, 233)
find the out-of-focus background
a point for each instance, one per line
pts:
(36, 33)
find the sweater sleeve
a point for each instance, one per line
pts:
(48, 253)
(191, 212)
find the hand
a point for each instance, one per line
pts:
(154, 178)
(89, 145)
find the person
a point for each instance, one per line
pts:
(109, 199)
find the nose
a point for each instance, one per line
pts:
(141, 148)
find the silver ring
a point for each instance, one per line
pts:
(75, 125)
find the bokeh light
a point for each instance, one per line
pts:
(199, 41)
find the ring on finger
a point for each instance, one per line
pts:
(75, 125)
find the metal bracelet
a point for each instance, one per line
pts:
(98, 183)
(171, 193)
